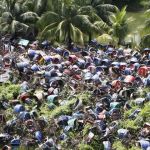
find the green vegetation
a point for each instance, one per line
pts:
(78, 21)
(72, 21)
(65, 109)
(146, 31)
(7, 90)
(118, 146)
(120, 26)
(85, 147)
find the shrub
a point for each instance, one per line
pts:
(8, 90)
(145, 113)
(86, 129)
(117, 145)
(129, 124)
(60, 110)
(85, 147)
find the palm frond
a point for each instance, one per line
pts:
(76, 34)
(48, 18)
(7, 17)
(4, 27)
(40, 6)
(2, 8)
(83, 22)
(49, 27)
(16, 26)
(85, 9)
(50, 34)
(107, 7)
(29, 16)
(147, 13)
(28, 5)
(62, 30)
(102, 26)
(90, 11)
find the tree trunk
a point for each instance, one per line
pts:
(120, 42)
(90, 37)
(69, 40)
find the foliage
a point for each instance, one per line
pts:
(96, 143)
(133, 5)
(85, 147)
(134, 148)
(145, 113)
(146, 28)
(16, 17)
(64, 109)
(120, 25)
(60, 110)
(85, 97)
(145, 42)
(145, 3)
(86, 129)
(117, 145)
(73, 20)
(65, 26)
(7, 90)
(129, 124)
(145, 31)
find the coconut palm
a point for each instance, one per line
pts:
(15, 19)
(146, 27)
(99, 7)
(120, 25)
(98, 12)
(145, 31)
(67, 25)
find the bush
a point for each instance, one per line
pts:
(145, 113)
(118, 146)
(8, 90)
(59, 110)
(85, 147)
(86, 129)
(129, 124)
(145, 41)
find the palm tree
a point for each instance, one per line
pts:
(67, 25)
(146, 28)
(120, 25)
(101, 9)
(98, 12)
(145, 31)
(15, 19)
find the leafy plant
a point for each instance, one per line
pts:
(145, 113)
(7, 90)
(86, 129)
(85, 147)
(117, 145)
(129, 124)
(120, 25)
